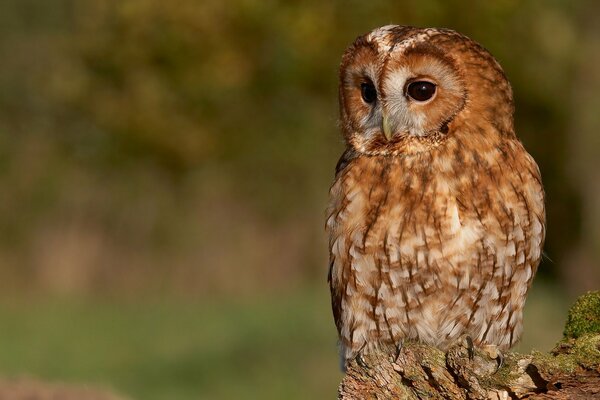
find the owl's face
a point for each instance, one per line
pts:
(404, 89)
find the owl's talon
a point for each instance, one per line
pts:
(500, 360)
(399, 346)
(494, 353)
(361, 361)
(470, 347)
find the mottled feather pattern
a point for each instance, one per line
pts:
(437, 232)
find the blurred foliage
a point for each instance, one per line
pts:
(234, 349)
(167, 350)
(188, 146)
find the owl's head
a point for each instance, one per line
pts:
(405, 89)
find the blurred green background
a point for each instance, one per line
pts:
(165, 169)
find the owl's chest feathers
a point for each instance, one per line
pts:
(428, 247)
(456, 220)
(419, 212)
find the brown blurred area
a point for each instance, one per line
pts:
(30, 390)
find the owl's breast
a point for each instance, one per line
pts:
(415, 213)
(417, 246)
(404, 217)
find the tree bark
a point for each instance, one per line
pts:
(419, 371)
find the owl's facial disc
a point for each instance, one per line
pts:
(405, 89)
(421, 92)
(397, 87)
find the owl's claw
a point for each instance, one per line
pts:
(490, 350)
(494, 353)
(361, 361)
(470, 347)
(500, 360)
(399, 346)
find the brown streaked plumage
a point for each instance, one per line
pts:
(436, 217)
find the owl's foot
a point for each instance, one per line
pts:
(398, 346)
(468, 343)
(361, 361)
(493, 352)
(364, 357)
(466, 346)
(467, 363)
(485, 360)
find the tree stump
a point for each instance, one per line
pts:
(419, 371)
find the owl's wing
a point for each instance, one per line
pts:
(344, 160)
(336, 291)
(336, 300)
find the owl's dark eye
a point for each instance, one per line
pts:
(420, 90)
(368, 92)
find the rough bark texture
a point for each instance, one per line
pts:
(418, 371)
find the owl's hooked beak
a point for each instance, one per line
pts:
(387, 128)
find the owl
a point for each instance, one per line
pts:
(436, 216)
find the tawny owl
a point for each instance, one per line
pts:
(436, 218)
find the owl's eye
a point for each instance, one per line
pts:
(368, 92)
(420, 90)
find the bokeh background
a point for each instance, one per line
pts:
(164, 171)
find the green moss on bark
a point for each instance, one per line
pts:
(584, 316)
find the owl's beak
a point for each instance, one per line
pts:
(387, 128)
